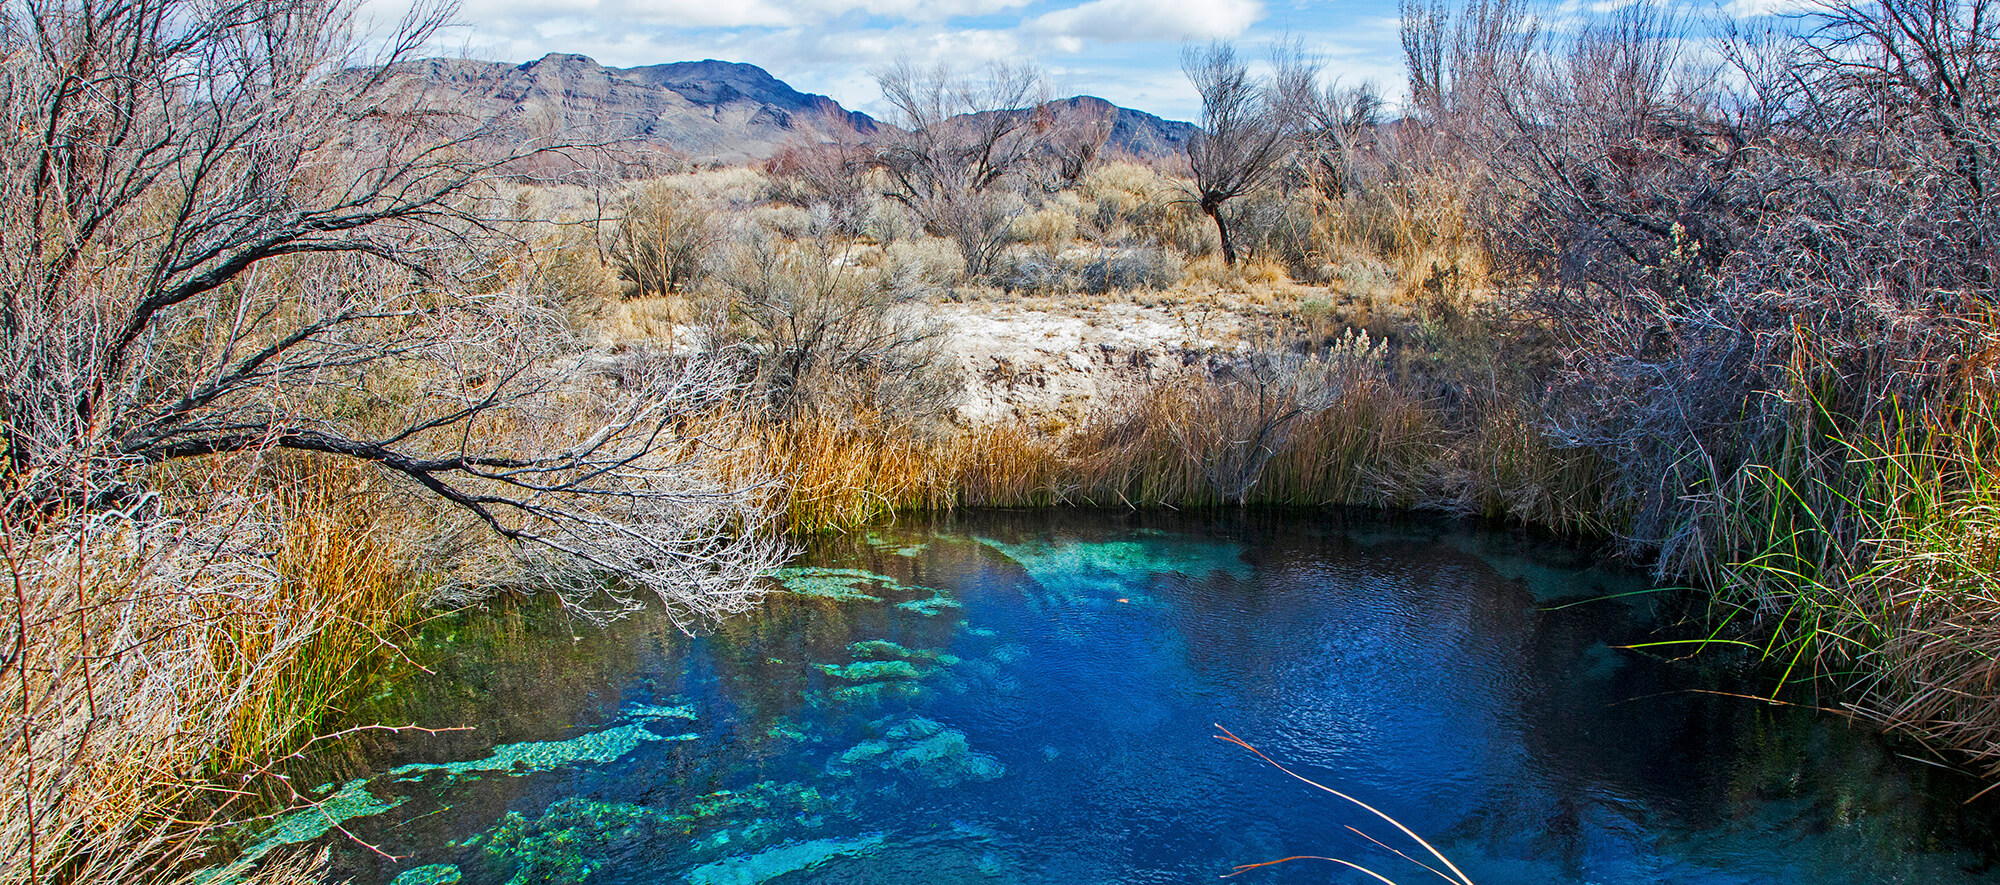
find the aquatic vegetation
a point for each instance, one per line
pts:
(877, 692)
(430, 874)
(352, 800)
(576, 837)
(764, 866)
(758, 798)
(862, 671)
(834, 584)
(569, 841)
(946, 759)
(866, 751)
(921, 748)
(787, 730)
(898, 548)
(654, 712)
(931, 606)
(597, 746)
(883, 649)
(1103, 571)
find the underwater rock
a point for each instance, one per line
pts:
(764, 866)
(430, 874)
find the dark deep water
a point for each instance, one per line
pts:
(1028, 697)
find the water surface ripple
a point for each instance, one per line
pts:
(1028, 697)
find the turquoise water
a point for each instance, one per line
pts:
(1007, 697)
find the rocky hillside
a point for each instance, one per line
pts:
(706, 110)
(702, 110)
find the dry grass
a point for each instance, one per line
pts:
(160, 660)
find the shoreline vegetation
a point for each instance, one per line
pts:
(295, 360)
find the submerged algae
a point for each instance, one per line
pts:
(866, 671)
(883, 650)
(877, 692)
(764, 866)
(1100, 571)
(837, 584)
(653, 711)
(946, 759)
(568, 842)
(303, 825)
(598, 746)
(877, 541)
(922, 748)
(931, 606)
(575, 838)
(430, 874)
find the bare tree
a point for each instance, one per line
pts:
(828, 164)
(1244, 135)
(963, 141)
(1337, 132)
(1075, 132)
(226, 231)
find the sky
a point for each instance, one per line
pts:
(1127, 51)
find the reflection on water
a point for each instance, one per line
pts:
(1008, 697)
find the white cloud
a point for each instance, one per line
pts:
(1113, 21)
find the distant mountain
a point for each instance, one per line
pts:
(1134, 132)
(707, 110)
(713, 111)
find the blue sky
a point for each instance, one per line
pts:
(1127, 51)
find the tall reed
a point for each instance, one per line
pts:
(163, 655)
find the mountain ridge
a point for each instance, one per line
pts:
(706, 111)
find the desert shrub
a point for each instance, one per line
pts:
(783, 219)
(934, 261)
(830, 337)
(728, 188)
(1126, 202)
(1097, 272)
(835, 175)
(1033, 270)
(665, 238)
(1126, 269)
(887, 221)
(1051, 228)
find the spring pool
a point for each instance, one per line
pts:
(1031, 697)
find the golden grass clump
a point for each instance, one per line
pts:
(164, 656)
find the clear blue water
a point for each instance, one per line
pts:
(1009, 697)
